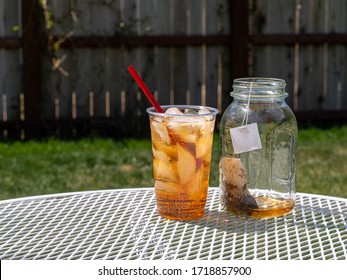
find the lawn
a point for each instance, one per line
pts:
(54, 166)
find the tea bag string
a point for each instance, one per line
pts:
(245, 117)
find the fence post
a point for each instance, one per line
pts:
(32, 66)
(239, 38)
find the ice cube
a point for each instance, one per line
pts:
(181, 119)
(165, 171)
(183, 130)
(184, 119)
(203, 147)
(159, 132)
(207, 128)
(206, 112)
(194, 186)
(167, 189)
(190, 111)
(173, 111)
(186, 164)
(169, 150)
(160, 155)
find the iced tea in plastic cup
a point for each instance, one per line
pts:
(182, 146)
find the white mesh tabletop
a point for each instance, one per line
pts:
(123, 224)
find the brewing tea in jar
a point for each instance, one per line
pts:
(258, 150)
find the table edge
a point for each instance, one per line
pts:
(66, 194)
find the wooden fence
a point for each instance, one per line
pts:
(63, 62)
(303, 42)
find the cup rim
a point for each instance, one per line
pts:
(213, 111)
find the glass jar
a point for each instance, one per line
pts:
(258, 150)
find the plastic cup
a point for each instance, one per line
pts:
(182, 147)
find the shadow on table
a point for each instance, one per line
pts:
(303, 217)
(306, 233)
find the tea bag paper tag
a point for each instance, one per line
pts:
(245, 138)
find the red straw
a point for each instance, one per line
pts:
(145, 89)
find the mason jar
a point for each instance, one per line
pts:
(258, 150)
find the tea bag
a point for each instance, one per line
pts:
(246, 138)
(236, 195)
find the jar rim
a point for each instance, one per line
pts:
(260, 87)
(260, 82)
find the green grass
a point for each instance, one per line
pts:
(54, 166)
(322, 161)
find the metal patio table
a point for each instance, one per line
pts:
(123, 224)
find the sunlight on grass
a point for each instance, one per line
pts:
(61, 166)
(322, 165)
(54, 166)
